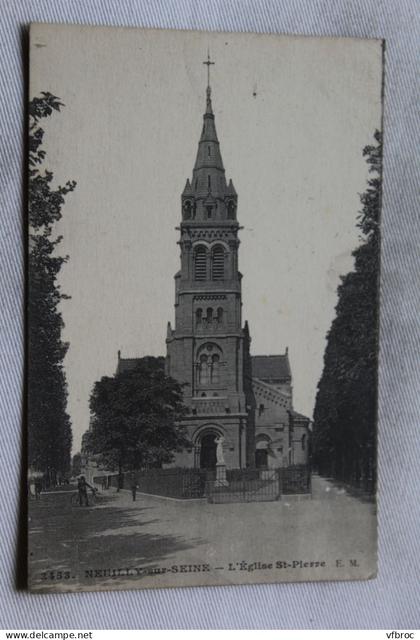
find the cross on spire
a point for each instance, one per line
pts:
(208, 62)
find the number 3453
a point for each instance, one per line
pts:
(56, 575)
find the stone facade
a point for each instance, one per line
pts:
(205, 348)
(230, 393)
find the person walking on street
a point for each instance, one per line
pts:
(38, 488)
(134, 487)
(82, 487)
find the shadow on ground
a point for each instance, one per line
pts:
(108, 536)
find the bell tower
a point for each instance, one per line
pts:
(205, 349)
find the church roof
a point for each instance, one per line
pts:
(299, 416)
(271, 367)
(128, 364)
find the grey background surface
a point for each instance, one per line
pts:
(390, 601)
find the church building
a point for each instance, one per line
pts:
(244, 399)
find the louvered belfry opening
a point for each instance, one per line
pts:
(200, 263)
(218, 263)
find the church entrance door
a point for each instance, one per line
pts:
(208, 457)
(261, 453)
(261, 458)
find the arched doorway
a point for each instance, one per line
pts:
(208, 451)
(261, 453)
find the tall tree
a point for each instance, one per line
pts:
(345, 410)
(76, 464)
(135, 418)
(49, 428)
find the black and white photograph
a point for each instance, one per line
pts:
(203, 308)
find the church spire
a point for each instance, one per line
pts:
(208, 195)
(208, 154)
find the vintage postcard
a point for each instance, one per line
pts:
(203, 256)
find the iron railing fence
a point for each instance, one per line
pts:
(295, 479)
(176, 482)
(245, 485)
(237, 485)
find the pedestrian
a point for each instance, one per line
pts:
(82, 487)
(38, 488)
(134, 487)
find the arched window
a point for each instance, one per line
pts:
(209, 315)
(214, 371)
(204, 395)
(200, 263)
(203, 372)
(198, 316)
(208, 362)
(231, 210)
(187, 209)
(219, 315)
(218, 263)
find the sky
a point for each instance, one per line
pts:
(292, 115)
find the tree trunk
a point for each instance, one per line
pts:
(120, 477)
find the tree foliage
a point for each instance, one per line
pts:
(344, 442)
(135, 418)
(49, 433)
(76, 465)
